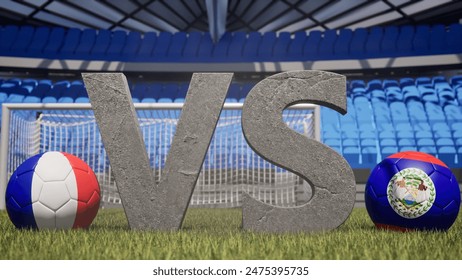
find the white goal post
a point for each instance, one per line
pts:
(230, 166)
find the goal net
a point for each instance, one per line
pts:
(230, 166)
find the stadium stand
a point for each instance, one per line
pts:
(91, 44)
(384, 116)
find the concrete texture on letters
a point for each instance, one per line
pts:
(114, 111)
(146, 205)
(328, 173)
(199, 117)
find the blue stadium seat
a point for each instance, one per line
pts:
(449, 156)
(132, 44)
(352, 155)
(220, 50)
(342, 44)
(295, 51)
(369, 157)
(265, 48)
(250, 50)
(358, 42)
(70, 42)
(310, 49)
(392, 90)
(181, 93)
(405, 40)
(326, 45)
(438, 39)
(421, 42)
(39, 40)
(388, 151)
(236, 46)
(146, 46)
(103, 39)
(373, 42)
(374, 85)
(453, 113)
(435, 113)
(54, 43)
(8, 35)
(162, 46)
(454, 38)
(389, 39)
(281, 47)
(429, 150)
(441, 142)
(176, 46)
(406, 81)
(191, 46)
(86, 43)
(406, 142)
(411, 93)
(378, 95)
(416, 112)
(116, 45)
(205, 48)
(398, 112)
(23, 40)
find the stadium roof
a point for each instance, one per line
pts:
(237, 15)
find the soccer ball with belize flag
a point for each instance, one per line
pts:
(412, 191)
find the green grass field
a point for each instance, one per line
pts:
(216, 234)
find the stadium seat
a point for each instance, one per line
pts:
(448, 155)
(281, 47)
(265, 48)
(70, 43)
(342, 44)
(404, 43)
(390, 37)
(352, 155)
(373, 42)
(116, 45)
(23, 40)
(103, 39)
(54, 43)
(295, 50)
(39, 41)
(191, 46)
(388, 151)
(369, 157)
(86, 43)
(411, 93)
(8, 35)
(220, 49)
(250, 50)
(161, 48)
(454, 38)
(132, 44)
(326, 45)
(398, 112)
(146, 46)
(310, 49)
(421, 41)
(416, 112)
(236, 46)
(437, 39)
(205, 48)
(358, 42)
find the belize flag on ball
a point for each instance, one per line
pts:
(53, 190)
(412, 190)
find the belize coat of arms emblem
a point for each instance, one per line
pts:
(411, 193)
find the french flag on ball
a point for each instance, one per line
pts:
(53, 190)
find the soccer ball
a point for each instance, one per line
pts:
(412, 191)
(52, 190)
